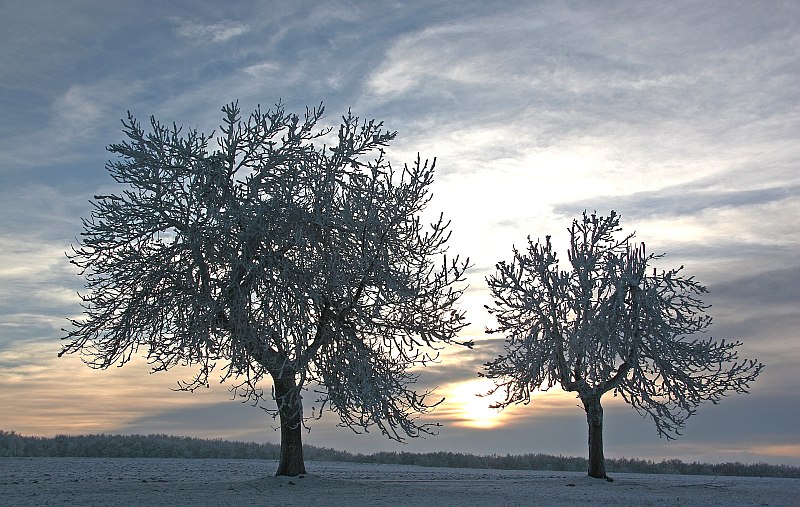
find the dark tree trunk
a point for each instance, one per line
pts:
(290, 407)
(594, 417)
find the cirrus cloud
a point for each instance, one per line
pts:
(214, 32)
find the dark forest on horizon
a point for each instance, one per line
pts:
(13, 444)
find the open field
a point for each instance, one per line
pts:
(152, 481)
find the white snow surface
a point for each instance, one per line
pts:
(124, 481)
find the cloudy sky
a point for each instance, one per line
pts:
(682, 116)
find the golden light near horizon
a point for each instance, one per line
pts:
(36, 402)
(467, 405)
(779, 450)
(468, 409)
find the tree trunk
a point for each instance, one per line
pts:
(290, 408)
(594, 417)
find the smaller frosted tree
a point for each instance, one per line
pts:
(609, 323)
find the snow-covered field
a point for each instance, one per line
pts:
(95, 481)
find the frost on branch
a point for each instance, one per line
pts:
(609, 323)
(272, 256)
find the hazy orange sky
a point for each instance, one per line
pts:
(682, 116)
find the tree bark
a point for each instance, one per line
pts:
(594, 417)
(290, 408)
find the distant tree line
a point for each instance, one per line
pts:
(13, 444)
(131, 446)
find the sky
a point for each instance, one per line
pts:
(683, 117)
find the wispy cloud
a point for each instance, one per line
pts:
(215, 32)
(263, 69)
(686, 199)
(575, 78)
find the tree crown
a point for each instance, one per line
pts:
(609, 323)
(271, 255)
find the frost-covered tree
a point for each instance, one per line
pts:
(608, 323)
(272, 256)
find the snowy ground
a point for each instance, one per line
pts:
(94, 481)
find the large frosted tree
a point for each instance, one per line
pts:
(275, 257)
(608, 323)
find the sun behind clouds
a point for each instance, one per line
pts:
(465, 407)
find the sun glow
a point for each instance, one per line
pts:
(467, 409)
(467, 405)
